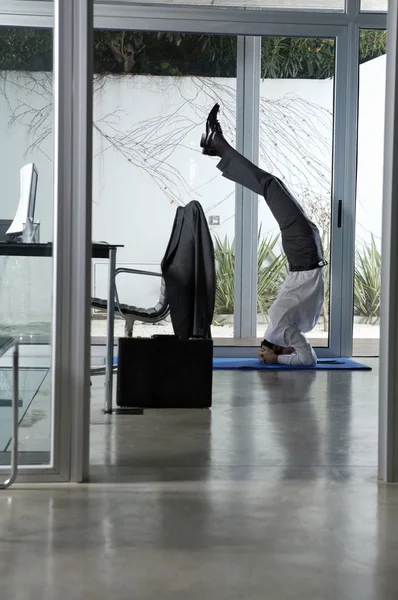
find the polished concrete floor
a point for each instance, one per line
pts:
(272, 495)
(297, 423)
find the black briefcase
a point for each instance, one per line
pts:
(164, 372)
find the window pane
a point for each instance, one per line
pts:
(327, 5)
(26, 108)
(374, 5)
(296, 132)
(372, 79)
(152, 96)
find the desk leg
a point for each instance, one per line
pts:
(15, 420)
(110, 331)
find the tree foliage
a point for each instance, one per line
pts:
(25, 49)
(130, 52)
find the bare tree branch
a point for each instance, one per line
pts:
(294, 133)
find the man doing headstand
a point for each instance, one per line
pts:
(298, 305)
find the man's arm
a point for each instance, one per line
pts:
(304, 357)
(303, 354)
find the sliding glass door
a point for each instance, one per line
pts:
(152, 93)
(26, 268)
(287, 82)
(300, 111)
(369, 196)
(45, 250)
(297, 111)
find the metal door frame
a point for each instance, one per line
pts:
(70, 352)
(73, 191)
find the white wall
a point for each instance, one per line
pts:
(296, 140)
(372, 83)
(157, 124)
(147, 161)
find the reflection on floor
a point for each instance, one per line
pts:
(270, 495)
(281, 420)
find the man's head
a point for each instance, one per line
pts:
(278, 350)
(282, 350)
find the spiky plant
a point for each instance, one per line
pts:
(272, 271)
(367, 282)
(225, 273)
(271, 268)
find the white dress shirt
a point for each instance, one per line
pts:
(296, 311)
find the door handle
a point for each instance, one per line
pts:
(339, 213)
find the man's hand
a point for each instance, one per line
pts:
(267, 357)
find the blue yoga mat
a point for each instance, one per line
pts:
(323, 364)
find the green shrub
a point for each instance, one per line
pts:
(271, 268)
(367, 282)
(225, 270)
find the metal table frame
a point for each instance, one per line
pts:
(5, 345)
(99, 250)
(110, 330)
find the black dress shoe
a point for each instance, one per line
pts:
(212, 127)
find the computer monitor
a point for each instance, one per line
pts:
(27, 200)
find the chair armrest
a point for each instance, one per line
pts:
(132, 272)
(137, 272)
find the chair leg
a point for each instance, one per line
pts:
(128, 327)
